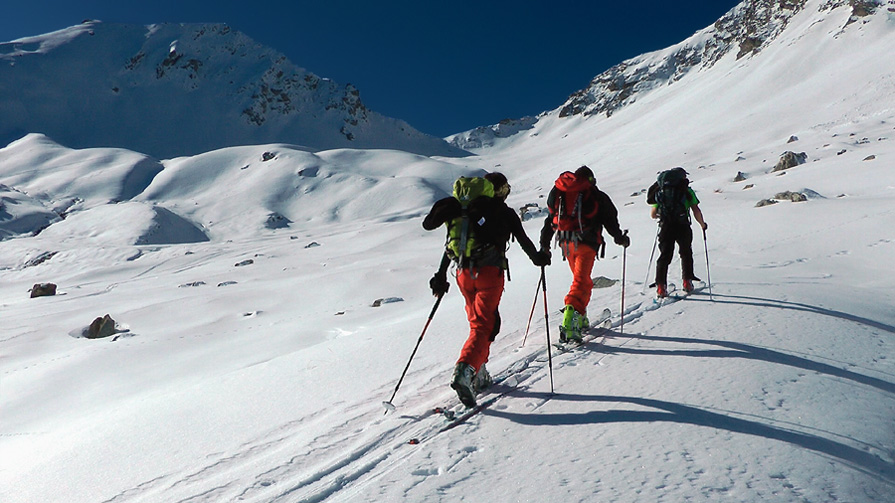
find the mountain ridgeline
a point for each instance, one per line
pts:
(743, 32)
(182, 89)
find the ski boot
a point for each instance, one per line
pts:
(661, 291)
(583, 323)
(482, 380)
(688, 285)
(570, 329)
(462, 382)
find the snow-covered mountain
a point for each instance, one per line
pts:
(172, 89)
(744, 32)
(266, 299)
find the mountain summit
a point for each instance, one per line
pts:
(181, 89)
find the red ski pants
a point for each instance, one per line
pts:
(581, 259)
(482, 288)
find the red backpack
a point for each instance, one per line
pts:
(574, 205)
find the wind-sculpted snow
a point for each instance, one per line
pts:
(130, 223)
(20, 214)
(234, 191)
(228, 193)
(38, 165)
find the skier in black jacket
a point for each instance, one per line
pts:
(481, 278)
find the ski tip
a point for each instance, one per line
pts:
(389, 407)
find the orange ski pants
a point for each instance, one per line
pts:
(581, 259)
(482, 288)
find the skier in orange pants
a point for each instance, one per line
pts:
(483, 226)
(579, 211)
(581, 260)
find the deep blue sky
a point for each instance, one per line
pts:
(444, 67)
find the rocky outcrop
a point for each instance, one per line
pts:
(101, 327)
(790, 195)
(790, 159)
(386, 300)
(485, 136)
(796, 197)
(745, 29)
(859, 8)
(43, 290)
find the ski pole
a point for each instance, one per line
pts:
(547, 322)
(388, 404)
(532, 313)
(624, 269)
(648, 266)
(707, 271)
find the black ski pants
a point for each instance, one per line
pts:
(669, 234)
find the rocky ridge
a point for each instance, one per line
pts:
(745, 30)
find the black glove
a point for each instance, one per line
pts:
(439, 284)
(705, 226)
(541, 258)
(623, 240)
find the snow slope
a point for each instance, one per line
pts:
(251, 365)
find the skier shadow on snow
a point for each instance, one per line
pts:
(686, 414)
(747, 352)
(797, 306)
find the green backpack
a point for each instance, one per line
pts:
(462, 244)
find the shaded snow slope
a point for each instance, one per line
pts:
(182, 89)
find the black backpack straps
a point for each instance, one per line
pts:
(579, 210)
(464, 235)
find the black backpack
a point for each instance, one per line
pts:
(669, 194)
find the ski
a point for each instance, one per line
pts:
(675, 295)
(511, 381)
(604, 323)
(565, 347)
(457, 420)
(504, 383)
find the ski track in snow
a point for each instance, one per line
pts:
(372, 446)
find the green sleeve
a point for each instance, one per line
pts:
(692, 200)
